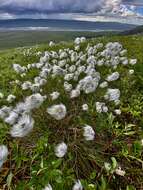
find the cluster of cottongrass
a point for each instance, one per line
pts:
(78, 68)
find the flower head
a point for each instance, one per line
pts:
(51, 44)
(131, 71)
(61, 150)
(48, 187)
(133, 61)
(57, 111)
(77, 186)
(23, 127)
(88, 84)
(4, 112)
(54, 95)
(67, 87)
(112, 94)
(11, 119)
(11, 98)
(114, 76)
(117, 111)
(89, 133)
(85, 107)
(120, 172)
(77, 41)
(18, 68)
(103, 84)
(34, 101)
(101, 107)
(26, 85)
(3, 154)
(75, 93)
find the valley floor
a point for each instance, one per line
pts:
(13, 39)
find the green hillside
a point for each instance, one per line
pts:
(113, 159)
(136, 30)
(13, 39)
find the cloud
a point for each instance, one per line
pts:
(48, 6)
(68, 9)
(6, 16)
(119, 7)
(111, 6)
(51, 5)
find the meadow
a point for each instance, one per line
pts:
(73, 115)
(13, 39)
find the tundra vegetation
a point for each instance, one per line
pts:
(71, 115)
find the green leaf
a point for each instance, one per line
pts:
(9, 179)
(114, 162)
(57, 163)
(103, 184)
(93, 175)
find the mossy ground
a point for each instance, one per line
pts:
(31, 162)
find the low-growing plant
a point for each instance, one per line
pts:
(71, 117)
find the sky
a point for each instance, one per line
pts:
(126, 11)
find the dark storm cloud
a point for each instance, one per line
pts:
(51, 6)
(45, 8)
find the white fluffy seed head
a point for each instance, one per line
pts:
(89, 133)
(117, 111)
(11, 119)
(114, 76)
(35, 87)
(51, 44)
(77, 41)
(57, 111)
(4, 112)
(55, 95)
(57, 70)
(67, 87)
(18, 68)
(3, 154)
(75, 93)
(77, 185)
(34, 101)
(131, 71)
(83, 39)
(26, 85)
(85, 107)
(120, 172)
(103, 84)
(133, 61)
(112, 94)
(61, 150)
(11, 98)
(101, 107)
(48, 187)
(23, 127)
(89, 84)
